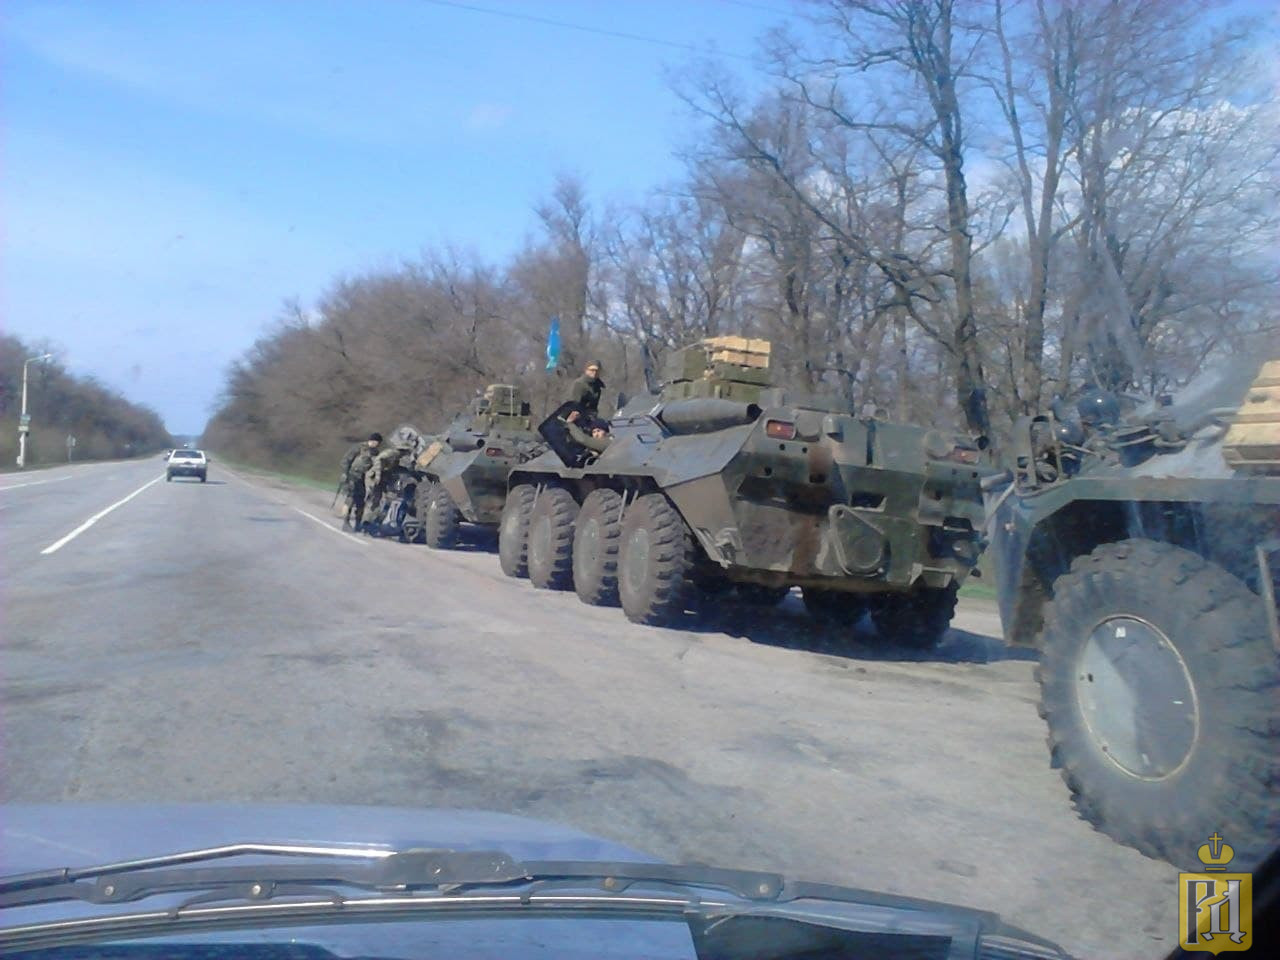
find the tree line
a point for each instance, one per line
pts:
(946, 212)
(105, 425)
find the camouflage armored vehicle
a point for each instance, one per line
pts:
(464, 471)
(724, 482)
(1140, 554)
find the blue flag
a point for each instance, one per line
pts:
(553, 344)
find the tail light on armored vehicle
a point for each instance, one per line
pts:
(780, 429)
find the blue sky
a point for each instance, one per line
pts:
(172, 171)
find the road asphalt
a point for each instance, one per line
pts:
(226, 642)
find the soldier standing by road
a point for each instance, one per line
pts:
(381, 475)
(356, 463)
(585, 392)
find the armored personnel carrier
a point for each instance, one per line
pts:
(1140, 555)
(725, 482)
(464, 471)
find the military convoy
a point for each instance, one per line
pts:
(1141, 555)
(726, 482)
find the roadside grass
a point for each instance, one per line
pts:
(977, 590)
(981, 587)
(298, 476)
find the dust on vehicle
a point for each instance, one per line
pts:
(725, 481)
(1140, 554)
(464, 471)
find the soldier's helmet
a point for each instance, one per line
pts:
(408, 439)
(1069, 432)
(1098, 408)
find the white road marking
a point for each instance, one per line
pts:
(59, 544)
(31, 483)
(350, 538)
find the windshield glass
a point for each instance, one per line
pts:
(831, 438)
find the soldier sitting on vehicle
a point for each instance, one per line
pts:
(594, 435)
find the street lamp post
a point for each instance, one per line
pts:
(24, 421)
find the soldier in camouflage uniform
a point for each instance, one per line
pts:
(584, 393)
(377, 480)
(354, 467)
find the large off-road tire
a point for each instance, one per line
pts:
(513, 531)
(655, 562)
(596, 536)
(440, 525)
(1161, 690)
(918, 619)
(551, 539)
(835, 607)
(758, 595)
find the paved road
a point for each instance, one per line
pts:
(225, 642)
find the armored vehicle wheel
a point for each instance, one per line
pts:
(1160, 687)
(918, 619)
(442, 519)
(513, 531)
(550, 546)
(655, 561)
(758, 595)
(834, 607)
(596, 536)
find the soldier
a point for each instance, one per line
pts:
(585, 392)
(356, 463)
(595, 438)
(378, 479)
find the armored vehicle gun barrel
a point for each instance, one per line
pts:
(464, 441)
(706, 414)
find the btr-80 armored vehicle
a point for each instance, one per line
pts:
(725, 482)
(465, 470)
(1140, 554)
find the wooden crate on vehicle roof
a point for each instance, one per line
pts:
(743, 351)
(1252, 442)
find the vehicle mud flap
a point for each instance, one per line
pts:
(853, 544)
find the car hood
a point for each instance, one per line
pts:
(46, 837)
(41, 836)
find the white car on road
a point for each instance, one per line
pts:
(187, 463)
